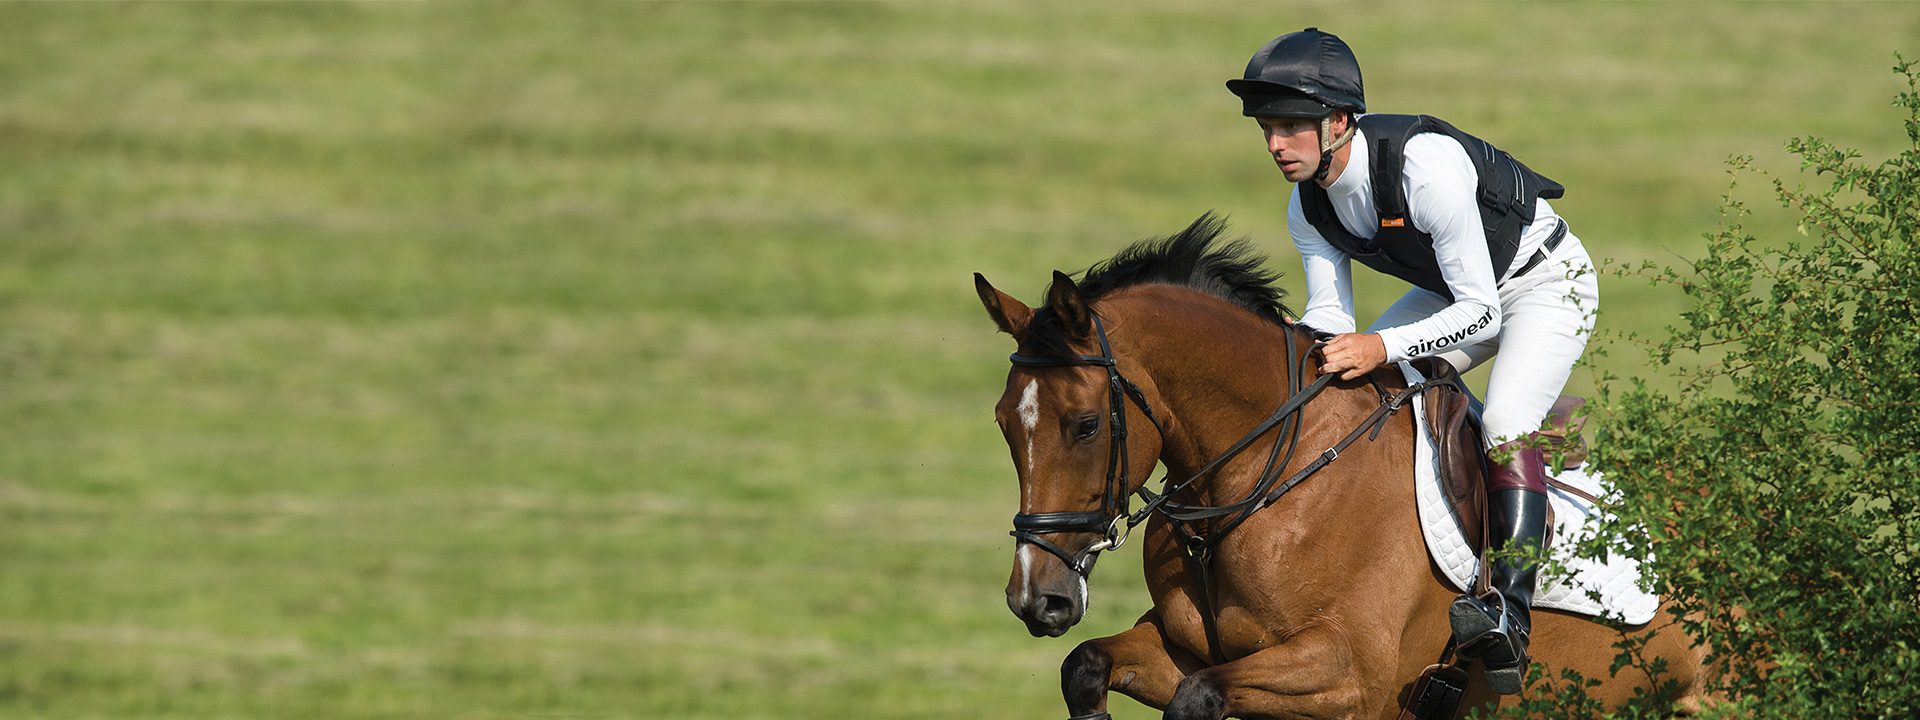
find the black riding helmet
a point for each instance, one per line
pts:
(1307, 74)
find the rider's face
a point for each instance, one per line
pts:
(1294, 144)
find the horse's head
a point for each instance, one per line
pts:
(1065, 413)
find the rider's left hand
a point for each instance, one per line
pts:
(1354, 353)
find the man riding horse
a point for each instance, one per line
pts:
(1492, 265)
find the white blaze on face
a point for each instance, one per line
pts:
(1030, 406)
(1029, 409)
(1025, 555)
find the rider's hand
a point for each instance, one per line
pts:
(1353, 354)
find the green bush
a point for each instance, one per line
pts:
(1776, 492)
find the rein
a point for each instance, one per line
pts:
(1115, 520)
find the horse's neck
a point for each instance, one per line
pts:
(1219, 374)
(1219, 371)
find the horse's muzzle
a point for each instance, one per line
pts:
(1049, 615)
(1044, 593)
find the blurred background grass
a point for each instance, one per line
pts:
(557, 360)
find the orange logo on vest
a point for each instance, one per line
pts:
(1393, 222)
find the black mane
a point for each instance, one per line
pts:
(1230, 271)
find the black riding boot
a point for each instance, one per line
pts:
(1494, 628)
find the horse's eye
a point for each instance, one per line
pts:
(1086, 428)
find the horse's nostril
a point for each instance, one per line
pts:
(1057, 608)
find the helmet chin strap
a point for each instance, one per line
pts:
(1329, 145)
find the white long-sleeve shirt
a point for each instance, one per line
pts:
(1440, 182)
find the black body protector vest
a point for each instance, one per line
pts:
(1507, 192)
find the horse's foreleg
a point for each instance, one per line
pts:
(1311, 675)
(1137, 662)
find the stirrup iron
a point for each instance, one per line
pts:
(1486, 629)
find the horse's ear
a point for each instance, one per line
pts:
(1064, 297)
(1008, 312)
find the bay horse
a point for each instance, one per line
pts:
(1321, 602)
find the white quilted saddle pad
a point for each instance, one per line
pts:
(1608, 589)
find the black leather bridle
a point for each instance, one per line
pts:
(1114, 500)
(1115, 520)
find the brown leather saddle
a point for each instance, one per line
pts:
(1454, 418)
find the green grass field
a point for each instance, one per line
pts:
(622, 361)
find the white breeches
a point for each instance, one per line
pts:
(1546, 318)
